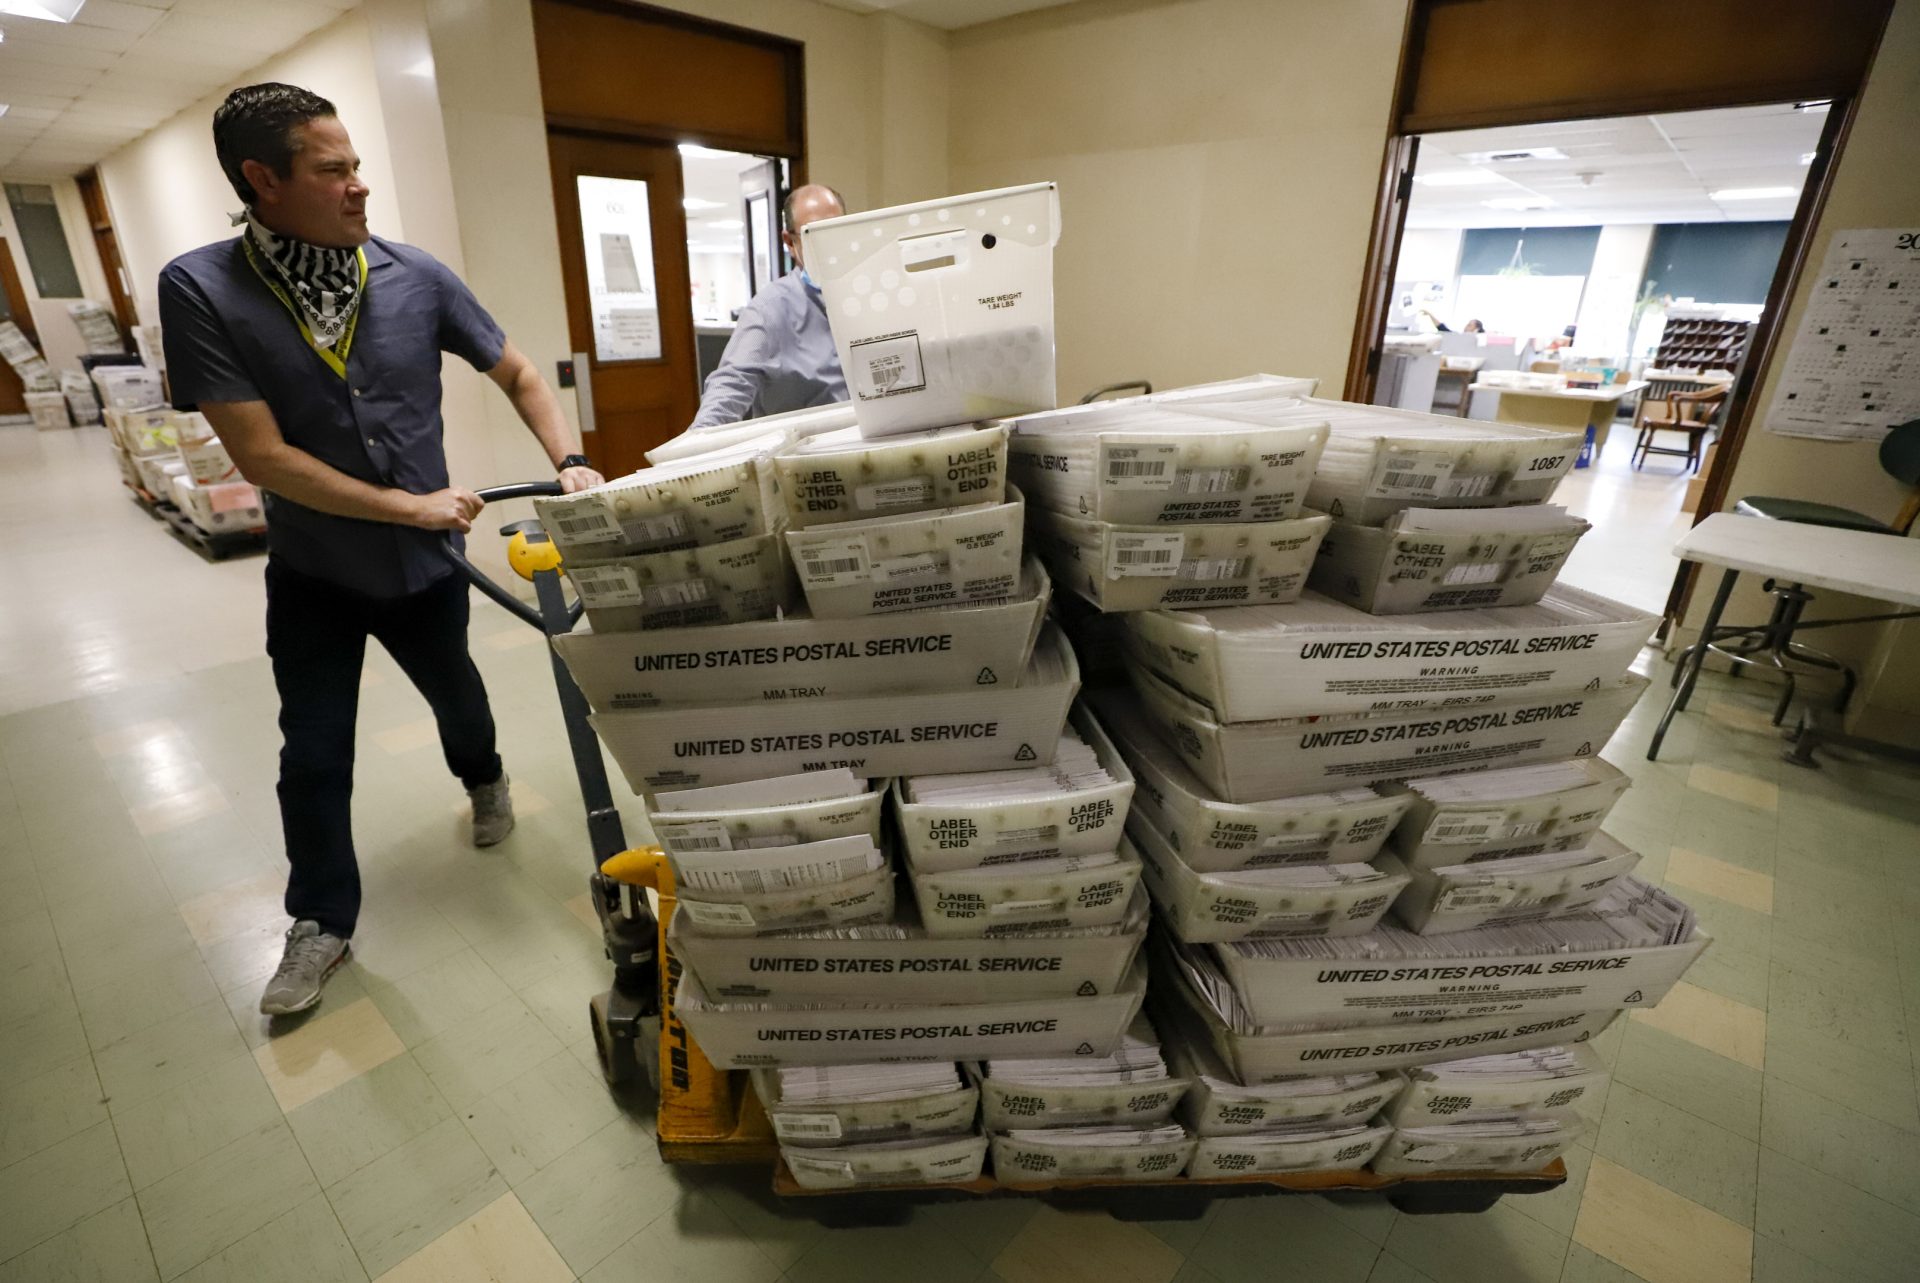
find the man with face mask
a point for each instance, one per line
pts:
(313, 347)
(781, 356)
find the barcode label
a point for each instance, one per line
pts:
(806, 1126)
(1525, 830)
(766, 840)
(1410, 480)
(601, 586)
(1457, 829)
(1474, 572)
(1140, 467)
(884, 496)
(1153, 556)
(685, 592)
(1008, 908)
(1212, 480)
(1474, 898)
(1416, 474)
(643, 532)
(700, 835)
(709, 914)
(840, 564)
(583, 521)
(1294, 841)
(1216, 568)
(1473, 487)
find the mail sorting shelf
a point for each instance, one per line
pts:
(705, 1115)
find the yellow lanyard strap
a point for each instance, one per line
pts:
(336, 356)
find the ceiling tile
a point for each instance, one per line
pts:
(118, 15)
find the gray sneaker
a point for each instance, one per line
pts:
(312, 955)
(492, 812)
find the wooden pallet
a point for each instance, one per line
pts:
(210, 546)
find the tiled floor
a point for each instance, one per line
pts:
(438, 1117)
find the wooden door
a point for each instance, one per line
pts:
(623, 260)
(13, 307)
(100, 221)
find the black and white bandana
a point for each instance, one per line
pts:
(324, 282)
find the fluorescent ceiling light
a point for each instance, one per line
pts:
(1816, 107)
(3, 108)
(727, 224)
(1518, 202)
(694, 203)
(695, 149)
(1752, 193)
(1458, 178)
(47, 10)
(1806, 157)
(1506, 154)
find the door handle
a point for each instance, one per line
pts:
(583, 390)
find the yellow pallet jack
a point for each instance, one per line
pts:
(707, 1115)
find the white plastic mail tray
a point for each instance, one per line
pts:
(1002, 898)
(1122, 568)
(1041, 1160)
(881, 564)
(791, 825)
(939, 837)
(1206, 908)
(1525, 810)
(866, 898)
(1148, 464)
(705, 500)
(788, 426)
(898, 961)
(1232, 1109)
(723, 583)
(1216, 1157)
(939, 1161)
(754, 1035)
(798, 658)
(842, 476)
(1430, 1100)
(942, 312)
(1440, 559)
(1319, 656)
(1461, 897)
(1348, 826)
(813, 1123)
(1247, 761)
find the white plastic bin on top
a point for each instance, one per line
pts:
(942, 312)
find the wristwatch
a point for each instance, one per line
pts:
(573, 461)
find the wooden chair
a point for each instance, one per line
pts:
(1691, 413)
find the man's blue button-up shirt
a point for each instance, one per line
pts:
(228, 338)
(781, 357)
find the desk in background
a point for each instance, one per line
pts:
(1577, 408)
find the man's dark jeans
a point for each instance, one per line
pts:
(317, 638)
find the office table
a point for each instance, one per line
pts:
(1881, 567)
(1578, 408)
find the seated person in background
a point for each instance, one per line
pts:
(781, 356)
(1473, 327)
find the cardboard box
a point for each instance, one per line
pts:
(144, 432)
(791, 825)
(723, 583)
(813, 1123)
(1497, 560)
(883, 564)
(900, 962)
(1429, 1101)
(1463, 897)
(1319, 656)
(1002, 898)
(157, 472)
(976, 729)
(48, 410)
(208, 462)
(1156, 465)
(843, 476)
(1524, 811)
(1405, 1155)
(1207, 1112)
(1206, 908)
(799, 658)
(1210, 836)
(1246, 761)
(695, 503)
(939, 837)
(942, 311)
(1379, 460)
(128, 387)
(954, 1159)
(1121, 568)
(227, 508)
(1217, 1157)
(749, 1036)
(848, 903)
(1035, 1161)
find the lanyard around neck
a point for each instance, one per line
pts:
(336, 356)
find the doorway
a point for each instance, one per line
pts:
(733, 238)
(13, 307)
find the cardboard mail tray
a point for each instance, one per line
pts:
(1154, 465)
(723, 583)
(899, 962)
(880, 564)
(979, 729)
(1207, 1112)
(850, 902)
(842, 476)
(943, 836)
(801, 658)
(1386, 570)
(1320, 656)
(1429, 1100)
(1405, 1155)
(1204, 908)
(1463, 897)
(1545, 808)
(697, 502)
(1012, 898)
(1122, 568)
(853, 1122)
(754, 1035)
(791, 825)
(1220, 1156)
(1034, 1161)
(937, 1161)
(1247, 761)
(1211, 836)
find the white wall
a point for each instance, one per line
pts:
(59, 338)
(1613, 285)
(1429, 254)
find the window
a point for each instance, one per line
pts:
(38, 219)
